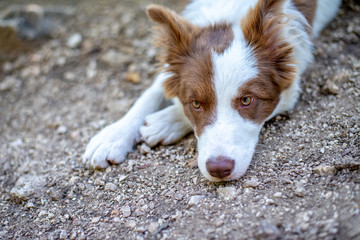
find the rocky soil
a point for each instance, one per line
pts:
(303, 183)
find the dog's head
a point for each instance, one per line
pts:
(229, 79)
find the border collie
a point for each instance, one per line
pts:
(228, 66)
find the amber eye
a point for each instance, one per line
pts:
(196, 105)
(246, 101)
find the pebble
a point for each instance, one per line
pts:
(300, 190)
(253, 182)
(144, 149)
(30, 205)
(8, 83)
(61, 129)
(111, 186)
(74, 40)
(28, 186)
(178, 196)
(130, 224)
(227, 193)
(277, 195)
(16, 143)
(63, 234)
(126, 211)
(325, 170)
(114, 58)
(195, 200)
(330, 88)
(153, 226)
(268, 230)
(42, 213)
(133, 77)
(219, 222)
(95, 219)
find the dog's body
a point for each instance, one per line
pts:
(229, 66)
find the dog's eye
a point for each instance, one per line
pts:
(246, 101)
(196, 105)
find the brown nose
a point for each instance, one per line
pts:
(220, 166)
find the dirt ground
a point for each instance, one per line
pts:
(303, 182)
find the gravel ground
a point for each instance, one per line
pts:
(303, 183)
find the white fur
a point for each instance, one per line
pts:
(326, 10)
(230, 135)
(166, 126)
(114, 142)
(206, 12)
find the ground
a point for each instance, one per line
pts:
(303, 182)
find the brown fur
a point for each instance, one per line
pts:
(187, 51)
(262, 29)
(308, 8)
(174, 41)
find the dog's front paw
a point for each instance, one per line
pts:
(110, 145)
(166, 127)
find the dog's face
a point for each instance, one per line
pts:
(229, 79)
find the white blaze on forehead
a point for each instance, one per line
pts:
(230, 135)
(233, 68)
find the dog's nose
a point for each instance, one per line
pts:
(220, 166)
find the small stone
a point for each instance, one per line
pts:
(63, 234)
(130, 224)
(328, 195)
(300, 190)
(30, 205)
(122, 178)
(330, 88)
(28, 186)
(144, 149)
(268, 230)
(277, 195)
(270, 202)
(253, 182)
(42, 213)
(325, 170)
(30, 71)
(227, 193)
(91, 69)
(74, 40)
(99, 182)
(178, 196)
(18, 142)
(219, 222)
(111, 186)
(73, 180)
(75, 135)
(153, 226)
(73, 235)
(114, 58)
(61, 129)
(95, 219)
(7, 84)
(133, 77)
(195, 200)
(126, 211)
(70, 76)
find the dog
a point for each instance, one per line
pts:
(228, 66)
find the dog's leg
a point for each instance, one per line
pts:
(166, 126)
(111, 145)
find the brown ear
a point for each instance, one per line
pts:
(174, 41)
(262, 28)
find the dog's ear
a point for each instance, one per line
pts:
(263, 29)
(174, 39)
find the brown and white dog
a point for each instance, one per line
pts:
(229, 66)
